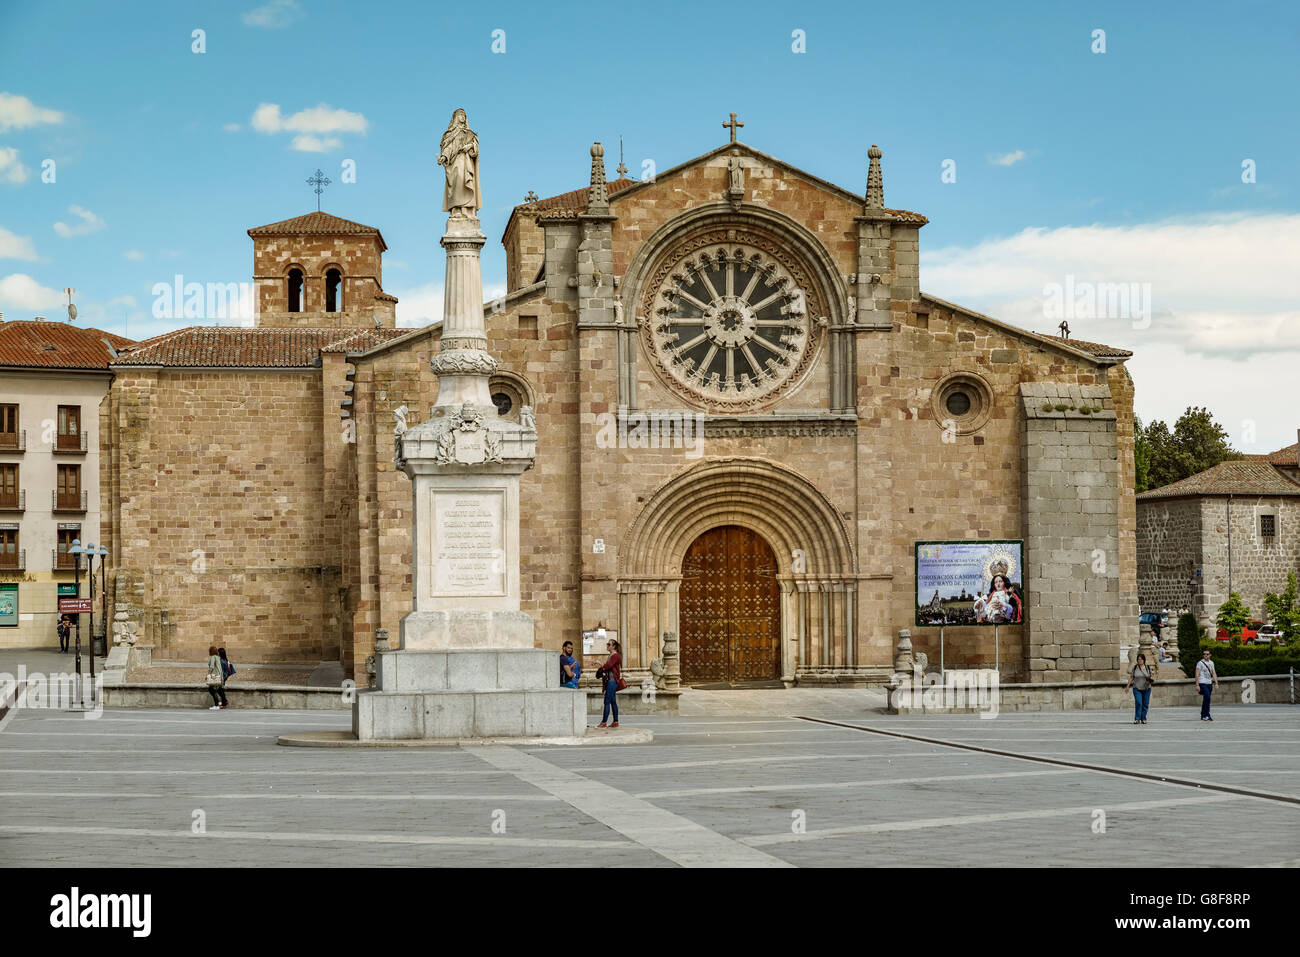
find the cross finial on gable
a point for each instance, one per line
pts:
(622, 168)
(732, 125)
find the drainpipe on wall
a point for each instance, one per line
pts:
(1228, 508)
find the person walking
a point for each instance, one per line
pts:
(216, 680)
(1207, 682)
(65, 630)
(611, 674)
(1139, 679)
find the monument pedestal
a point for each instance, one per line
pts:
(462, 693)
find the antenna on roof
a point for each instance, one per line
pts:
(72, 310)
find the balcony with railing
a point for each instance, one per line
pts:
(15, 561)
(69, 501)
(13, 441)
(72, 444)
(64, 561)
(15, 501)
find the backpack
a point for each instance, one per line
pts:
(228, 667)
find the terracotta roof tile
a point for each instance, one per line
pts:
(56, 345)
(242, 347)
(364, 339)
(1098, 349)
(317, 224)
(1238, 477)
(1290, 455)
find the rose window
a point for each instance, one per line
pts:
(729, 324)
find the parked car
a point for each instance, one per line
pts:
(1268, 635)
(1151, 617)
(1247, 634)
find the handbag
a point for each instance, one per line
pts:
(214, 679)
(621, 683)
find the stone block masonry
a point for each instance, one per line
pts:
(1077, 613)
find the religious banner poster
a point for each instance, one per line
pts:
(970, 583)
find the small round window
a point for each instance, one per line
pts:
(503, 403)
(957, 403)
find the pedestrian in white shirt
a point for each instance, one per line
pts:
(1207, 682)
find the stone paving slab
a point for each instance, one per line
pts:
(728, 789)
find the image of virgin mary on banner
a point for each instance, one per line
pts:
(969, 583)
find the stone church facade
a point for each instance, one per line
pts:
(747, 411)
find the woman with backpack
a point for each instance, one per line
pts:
(611, 674)
(216, 680)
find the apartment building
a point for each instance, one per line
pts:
(53, 376)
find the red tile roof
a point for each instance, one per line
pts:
(1238, 477)
(56, 345)
(244, 347)
(317, 224)
(1290, 455)
(1098, 349)
(364, 339)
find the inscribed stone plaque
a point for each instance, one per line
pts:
(469, 542)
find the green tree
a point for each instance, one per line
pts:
(1195, 444)
(1141, 458)
(1284, 609)
(1233, 615)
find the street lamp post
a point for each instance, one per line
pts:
(91, 551)
(76, 551)
(103, 592)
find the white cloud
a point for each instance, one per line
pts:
(19, 113)
(90, 223)
(1223, 290)
(16, 247)
(231, 127)
(134, 255)
(123, 301)
(11, 170)
(306, 143)
(20, 291)
(1008, 159)
(311, 125)
(273, 15)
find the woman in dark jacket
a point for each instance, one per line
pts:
(611, 673)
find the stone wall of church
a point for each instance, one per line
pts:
(357, 257)
(953, 478)
(525, 244)
(216, 514)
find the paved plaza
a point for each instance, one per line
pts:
(732, 790)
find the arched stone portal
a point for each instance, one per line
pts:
(815, 566)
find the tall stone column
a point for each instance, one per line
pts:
(466, 667)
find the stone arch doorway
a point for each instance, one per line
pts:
(730, 611)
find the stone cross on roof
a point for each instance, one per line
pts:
(732, 125)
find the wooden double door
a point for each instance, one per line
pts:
(730, 608)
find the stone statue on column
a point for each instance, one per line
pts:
(458, 155)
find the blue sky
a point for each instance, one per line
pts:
(1122, 166)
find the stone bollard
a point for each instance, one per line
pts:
(672, 662)
(904, 661)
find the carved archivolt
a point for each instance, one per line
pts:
(807, 534)
(730, 318)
